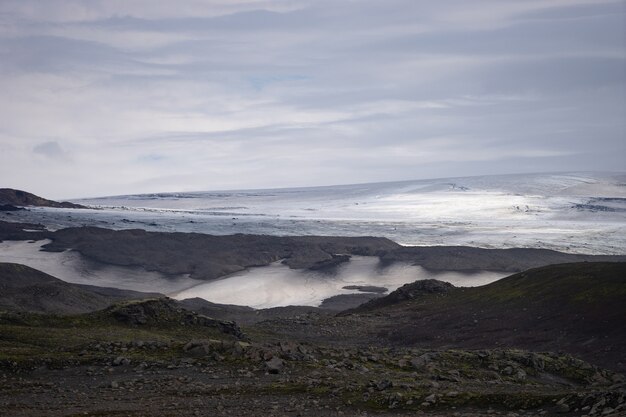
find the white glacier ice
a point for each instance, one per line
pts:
(576, 212)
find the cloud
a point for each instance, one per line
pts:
(240, 94)
(51, 150)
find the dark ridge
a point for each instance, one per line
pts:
(579, 308)
(343, 302)
(21, 198)
(165, 312)
(464, 258)
(407, 292)
(26, 289)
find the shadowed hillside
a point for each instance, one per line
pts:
(26, 289)
(578, 308)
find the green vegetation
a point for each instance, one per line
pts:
(29, 339)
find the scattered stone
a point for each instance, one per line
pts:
(120, 360)
(562, 408)
(274, 365)
(383, 385)
(422, 360)
(431, 399)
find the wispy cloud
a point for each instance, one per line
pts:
(244, 93)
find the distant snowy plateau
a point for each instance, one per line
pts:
(574, 212)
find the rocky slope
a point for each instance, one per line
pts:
(11, 197)
(153, 358)
(577, 308)
(26, 289)
(427, 348)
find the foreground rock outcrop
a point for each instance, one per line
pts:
(166, 312)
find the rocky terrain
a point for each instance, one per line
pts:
(154, 358)
(10, 197)
(421, 350)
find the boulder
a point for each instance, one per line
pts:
(274, 365)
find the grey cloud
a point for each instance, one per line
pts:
(51, 150)
(240, 92)
(61, 55)
(576, 11)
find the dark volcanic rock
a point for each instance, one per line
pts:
(22, 198)
(165, 311)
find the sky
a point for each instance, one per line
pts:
(109, 97)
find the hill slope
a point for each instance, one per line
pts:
(9, 196)
(26, 289)
(579, 308)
